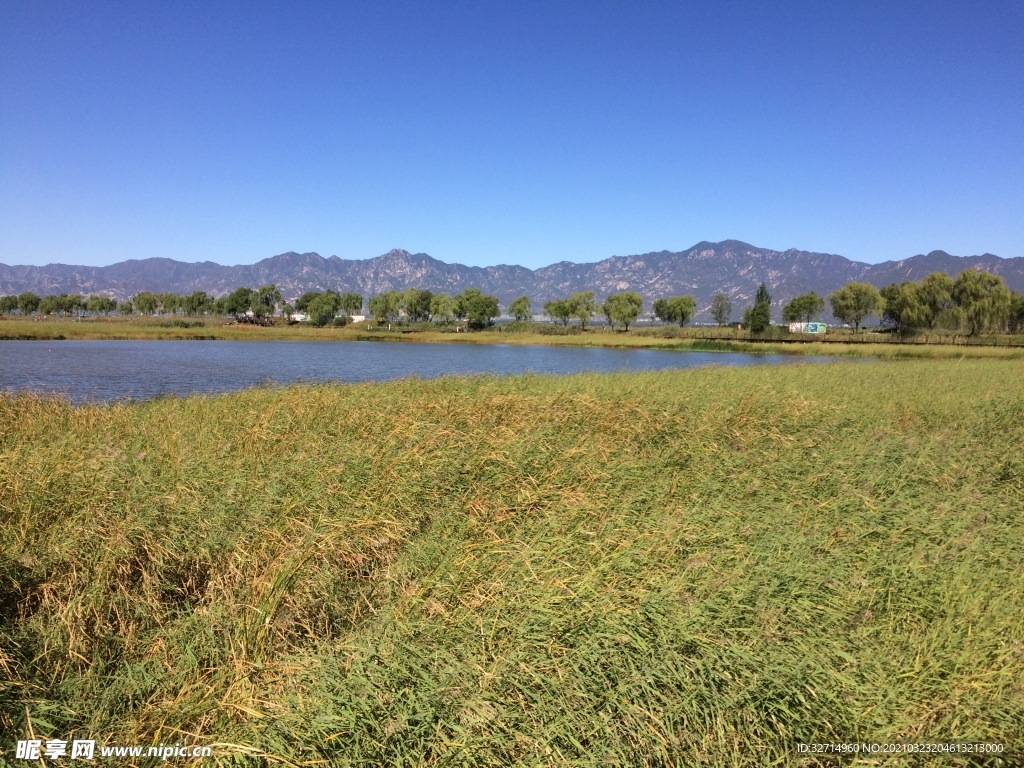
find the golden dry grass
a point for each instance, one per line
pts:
(678, 568)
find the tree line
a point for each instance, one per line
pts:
(420, 305)
(262, 301)
(621, 308)
(323, 307)
(976, 301)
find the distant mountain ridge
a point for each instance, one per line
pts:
(732, 267)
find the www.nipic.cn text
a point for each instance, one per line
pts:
(85, 749)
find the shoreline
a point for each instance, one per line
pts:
(149, 330)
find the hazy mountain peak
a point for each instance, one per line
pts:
(738, 244)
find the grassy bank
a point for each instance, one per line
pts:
(154, 329)
(162, 329)
(701, 567)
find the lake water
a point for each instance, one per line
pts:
(100, 371)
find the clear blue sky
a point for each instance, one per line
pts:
(494, 132)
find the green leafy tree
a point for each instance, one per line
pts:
(558, 310)
(72, 303)
(721, 309)
(146, 302)
(855, 302)
(902, 306)
(302, 303)
(1016, 320)
(265, 300)
(386, 306)
(51, 304)
(323, 308)
(126, 307)
(661, 310)
(758, 318)
(762, 296)
(196, 303)
(28, 302)
(520, 308)
(220, 306)
(684, 308)
(675, 309)
(416, 304)
(442, 307)
(936, 297)
(100, 304)
(583, 306)
(983, 298)
(235, 303)
(65, 304)
(480, 308)
(803, 308)
(459, 306)
(170, 302)
(8, 304)
(352, 303)
(624, 307)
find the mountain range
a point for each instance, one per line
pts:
(732, 267)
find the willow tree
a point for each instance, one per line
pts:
(721, 309)
(386, 306)
(559, 310)
(936, 296)
(624, 307)
(442, 307)
(675, 309)
(803, 308)
(902, 306)
(583, 306)
(983, 299)
(855, 302)
(520, 308)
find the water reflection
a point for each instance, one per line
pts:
(108, 370)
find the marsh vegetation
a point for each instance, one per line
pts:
(675, 568)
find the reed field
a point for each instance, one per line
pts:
(685, 568)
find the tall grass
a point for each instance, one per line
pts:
(679, 568)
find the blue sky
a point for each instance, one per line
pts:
(493, 132)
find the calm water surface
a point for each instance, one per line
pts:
(100, 371)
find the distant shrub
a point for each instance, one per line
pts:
(182, 324)
(520, 326)
(556, 330)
